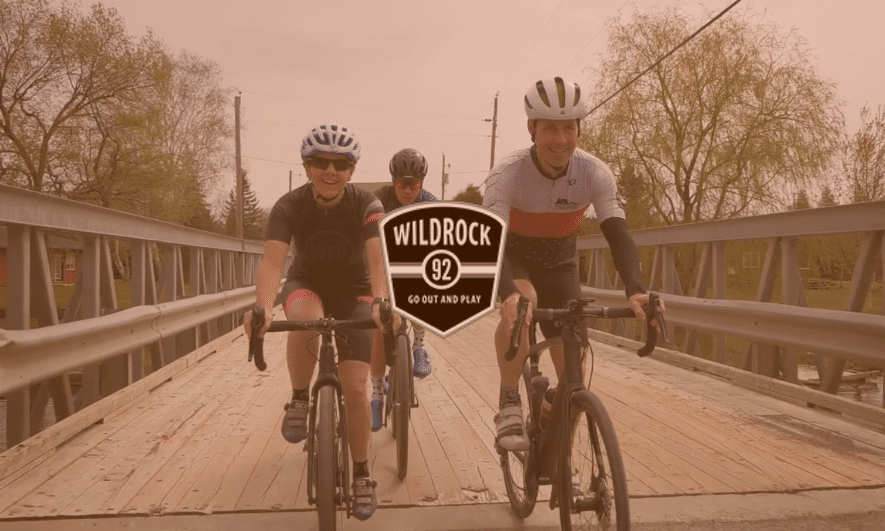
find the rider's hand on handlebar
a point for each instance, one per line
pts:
(509, 310)
(638, 303)
(247, 322)
(379, 321)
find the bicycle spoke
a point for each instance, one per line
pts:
(519, 476)
(597, 480)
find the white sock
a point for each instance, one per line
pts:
(376, 386)
(419, 339)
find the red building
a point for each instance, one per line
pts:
(65, 257)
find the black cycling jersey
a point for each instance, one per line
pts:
(388, 198)
(329, 243)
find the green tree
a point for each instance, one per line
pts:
(254, 218)
(801, 201)
(57, 64)
(863, 158)
(719, 128)
(471, 194)
(827, 198)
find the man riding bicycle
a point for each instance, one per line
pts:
(543, 192)
(334, 228)
(408, 168)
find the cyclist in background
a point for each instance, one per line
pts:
(408, 168)
(543, 192)
(334, 227)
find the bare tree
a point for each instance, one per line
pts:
(56, 64)
(863, 158)
(716, 129)
(197, 134)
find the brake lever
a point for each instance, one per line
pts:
(653, 310)
(521, 309)
(386, 311)
(256, 344)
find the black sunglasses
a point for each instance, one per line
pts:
(408, 184)
(321, 163)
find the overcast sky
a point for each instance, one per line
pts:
(424, 73)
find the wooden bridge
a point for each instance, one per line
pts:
(203, 437)
(167, 418)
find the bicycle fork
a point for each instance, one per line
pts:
(327, 377)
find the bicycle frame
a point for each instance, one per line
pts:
(549, 438)
(327, 376)
(547, 442)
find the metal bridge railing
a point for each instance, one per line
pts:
(168, 289)
(777, 336)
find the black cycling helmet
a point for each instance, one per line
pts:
(408, 164)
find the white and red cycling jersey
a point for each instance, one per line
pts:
(544, 214)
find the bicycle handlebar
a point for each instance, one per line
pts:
(575, 310)
(256, 343)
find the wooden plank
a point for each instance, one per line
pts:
(733, 430)
(58, 433)
(70, 453)
(141, 493)
(258, 427)
(749, 437)
(156, 431)
(680, 432)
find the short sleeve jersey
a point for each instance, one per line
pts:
(544, 214)
(387, 196)
(329, 243)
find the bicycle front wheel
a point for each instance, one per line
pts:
(402, 403)
(520, 480)
(593, 489)
(328, 455)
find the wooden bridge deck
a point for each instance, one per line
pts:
(208, 440)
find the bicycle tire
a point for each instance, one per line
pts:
(593, 491)
(327, 458)
(520, 480)
(402, 405)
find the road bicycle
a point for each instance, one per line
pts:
(575, 449)
(401, 397)
(328, 463)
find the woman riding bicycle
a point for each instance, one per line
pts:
(334, 227)
(543, 192)
(408, 168)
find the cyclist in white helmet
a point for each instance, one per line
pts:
(408, 168)
(338, 270)
(543, 192)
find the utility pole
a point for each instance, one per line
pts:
(445, 178)
(239, 223)
(494, 128)
(290, 180)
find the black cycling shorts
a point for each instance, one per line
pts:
(352, 344)
(554, 286)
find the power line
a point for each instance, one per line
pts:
(371, 129)
(575, 58)
(538, 36)
(656, 63)
(668, 54)
(360, 106)
(270, 160)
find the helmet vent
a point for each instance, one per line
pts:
(542, 92)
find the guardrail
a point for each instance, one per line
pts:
(29, 357)
(185, 287)
(777, 335)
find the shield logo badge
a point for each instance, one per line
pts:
(443, 261)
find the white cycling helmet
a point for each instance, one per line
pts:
(330, 138)
(555, 99)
